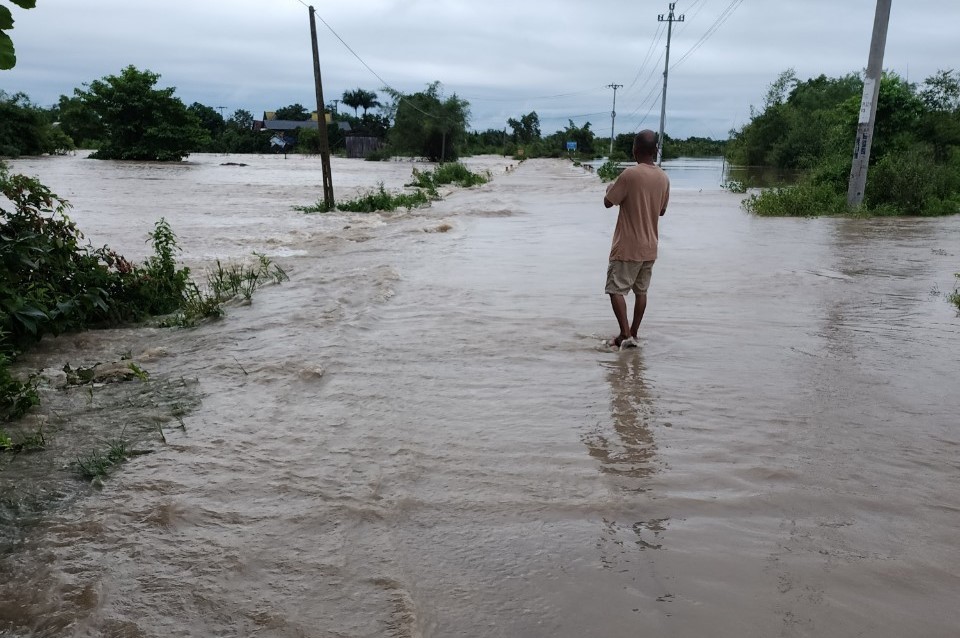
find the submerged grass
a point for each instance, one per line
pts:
(954, 297)
(226, 282)
(425, 183)
(377, 199)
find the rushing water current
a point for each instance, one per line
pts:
(420, 435)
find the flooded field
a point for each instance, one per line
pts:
(419, 434)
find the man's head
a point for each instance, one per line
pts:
(645, 146)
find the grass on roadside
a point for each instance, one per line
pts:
(954, 297)
(425, 183)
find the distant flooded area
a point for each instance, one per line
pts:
(420, 434)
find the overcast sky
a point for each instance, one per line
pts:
(506, 58)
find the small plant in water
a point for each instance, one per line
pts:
(734, 186)
(609, 171)
(954, 297)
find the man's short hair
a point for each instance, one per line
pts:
(646, 142)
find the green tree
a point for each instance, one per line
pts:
(582, 135)
(8, 57)
(239, 136)
(360, 98)
(22, 126)
(941, 91)
(241, 120)
(80, 122)
(211, 122)
(427, 124)
(141, 122)
(294, 112)
(526, 129)
(940, 124)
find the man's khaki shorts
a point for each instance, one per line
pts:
(624, 276)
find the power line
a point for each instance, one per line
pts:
(719, 22)
(670, 19)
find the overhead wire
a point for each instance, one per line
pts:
(719, 22)
(658, 36)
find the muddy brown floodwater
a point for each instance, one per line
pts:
(418, 435)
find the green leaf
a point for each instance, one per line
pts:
(7, 57)
(25, 4)
(6, 18)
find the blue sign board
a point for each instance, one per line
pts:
(571, 146)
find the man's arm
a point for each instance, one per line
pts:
(606, 199)
(662, 212)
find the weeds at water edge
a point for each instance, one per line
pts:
(954, 297)
(98, 464)
(226, 282)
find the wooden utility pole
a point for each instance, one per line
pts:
(321, 119)
(613, 113)
(670, 19)
(868, 107)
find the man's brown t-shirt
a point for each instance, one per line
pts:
(641, 191)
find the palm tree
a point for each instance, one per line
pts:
(360, 98)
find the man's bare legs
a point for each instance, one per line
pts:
(638, 310)
(627, 330)
(619, 304)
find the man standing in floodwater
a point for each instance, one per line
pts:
(642, 192)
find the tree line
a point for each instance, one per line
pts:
(127, 116)
(810, 125)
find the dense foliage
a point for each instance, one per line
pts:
(427, 124)
(811, 125)
(51, 281)
(26, 129)
(360, 98)
(141, 122)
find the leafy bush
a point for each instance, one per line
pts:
(804, 200)
(954, 297)
(373, 200)
(450, 173)
(380, 200)
(734, 186)
(52, 282)
(609, 171)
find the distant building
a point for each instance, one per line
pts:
(271, 123)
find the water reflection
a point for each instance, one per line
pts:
(628, 450)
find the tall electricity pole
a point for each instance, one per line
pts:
(670, 19)
(321, 119)
(613, 114)
(868, 106)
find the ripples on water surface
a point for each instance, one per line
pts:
(419, 436)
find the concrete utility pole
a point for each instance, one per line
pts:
(222, 109)
(868, 107)
(321, 119)
(613, 113)
(670, 19)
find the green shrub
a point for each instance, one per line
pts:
(803, 200)
(609, 171)
(450, 173)
(734, 186)
(954, 297)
